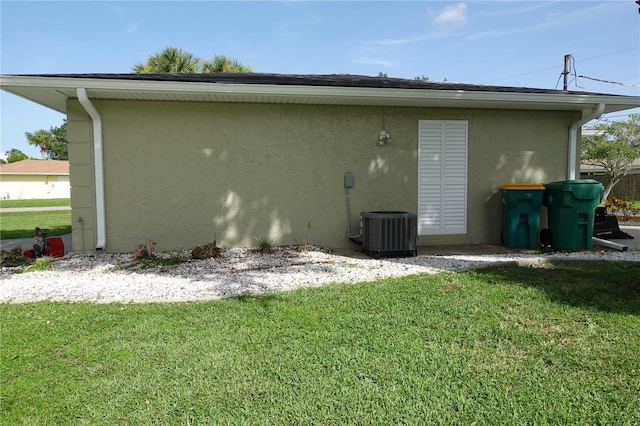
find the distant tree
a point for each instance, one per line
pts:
(221, 63)
(53, 143)
(383, 75)
(42, 139)
(614, 149)
(174, 60)
(60, 148)
(170, 60)
(422, 78)
(14, 155)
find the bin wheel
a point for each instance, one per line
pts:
(546, 238)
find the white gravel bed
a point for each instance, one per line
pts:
(108, 278)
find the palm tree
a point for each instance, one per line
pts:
(174, 60)
(170, 60)
(221, 63)
(43, 139)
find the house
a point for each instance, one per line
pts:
(31, 179)
(183, 159)
(594, 169)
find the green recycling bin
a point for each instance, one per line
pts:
(571, 208)
(521, 214)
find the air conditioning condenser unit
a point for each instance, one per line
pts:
(389, 233)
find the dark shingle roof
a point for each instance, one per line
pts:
(318, 80)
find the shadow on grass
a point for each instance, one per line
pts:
(605, 286)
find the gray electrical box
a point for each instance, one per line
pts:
(348, 180)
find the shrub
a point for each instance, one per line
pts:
(625, 208)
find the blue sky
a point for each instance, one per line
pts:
(508, 43)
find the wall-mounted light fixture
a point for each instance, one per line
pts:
(384, 138)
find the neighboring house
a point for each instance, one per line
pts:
(184, 159)
(30, 179)
(592, 169)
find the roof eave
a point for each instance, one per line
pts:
(53, 92)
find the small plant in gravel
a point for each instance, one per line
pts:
(308, 240)
(41, 264)
(163, 261)
(301, 248)
(263, 245)
(206, 251)
(144, 251)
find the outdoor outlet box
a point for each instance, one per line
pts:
(348, 180)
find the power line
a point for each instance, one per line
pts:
(555, 66)
(611, 53)
(570, 69)
(611, 82)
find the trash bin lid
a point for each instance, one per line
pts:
(523, 186)
(570, 184)
(582, 189)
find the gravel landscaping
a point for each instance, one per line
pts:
(107, 278)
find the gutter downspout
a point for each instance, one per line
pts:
(573, 138)
(98, 166)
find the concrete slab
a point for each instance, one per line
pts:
(634, 231)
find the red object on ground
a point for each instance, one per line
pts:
(56, 247)
(29, 253)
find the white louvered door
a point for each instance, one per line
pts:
(442, 177)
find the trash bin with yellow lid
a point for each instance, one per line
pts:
(521, 214)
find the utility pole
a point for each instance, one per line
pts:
(566, 72)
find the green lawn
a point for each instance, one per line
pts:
(21, 225)
(496, 346)
(52, 202)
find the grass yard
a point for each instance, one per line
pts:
(496, 346)
(22, 224)
(49, 202)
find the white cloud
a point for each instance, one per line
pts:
(452, 15)
(128, 24)
(374, 61)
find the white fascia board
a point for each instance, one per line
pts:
(415, 96)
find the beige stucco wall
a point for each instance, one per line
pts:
(183, 173)
(24, 187)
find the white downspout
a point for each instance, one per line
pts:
(573, 138)
(98, 166)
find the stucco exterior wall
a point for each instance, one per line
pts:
(81, 161)
(25, 187)
(184, 173)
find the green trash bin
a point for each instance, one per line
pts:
(521, 214)
(571, 208)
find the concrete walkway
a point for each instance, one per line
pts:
(634, 231)
(34, 209)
